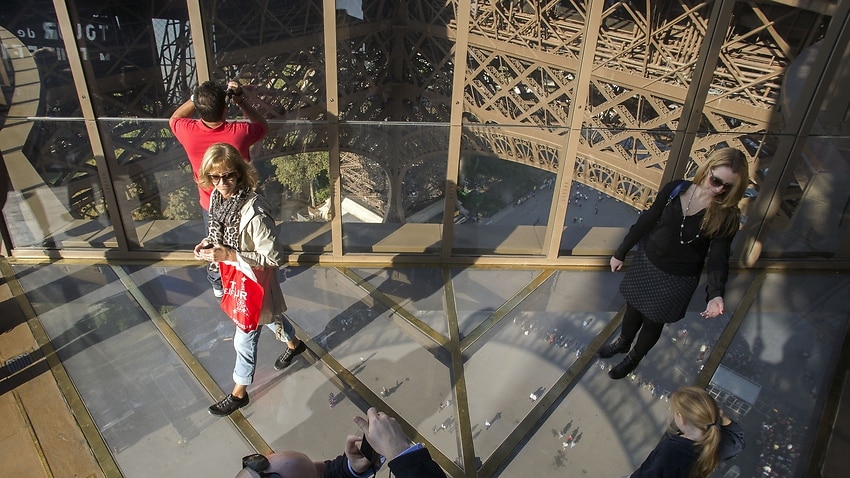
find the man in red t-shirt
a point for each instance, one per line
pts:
(196, 135)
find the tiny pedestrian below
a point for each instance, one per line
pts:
(688, 224)
(241, 224)
(699, 437)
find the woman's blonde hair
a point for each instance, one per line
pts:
(722, 216)
(698, 409)
(224, 157)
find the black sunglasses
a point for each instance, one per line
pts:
(717, 182)
(226, 176)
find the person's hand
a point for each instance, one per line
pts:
(200, 248)
(724, 420)
(222, 253)
(384, 433)
(358, 462)
(237, 91)
(616, 264)
(216, 253)
(713, 308)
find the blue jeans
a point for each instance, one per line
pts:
(245, 344)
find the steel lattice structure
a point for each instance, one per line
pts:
(396, 65)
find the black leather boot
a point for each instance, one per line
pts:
(618, 346)
(624, 368)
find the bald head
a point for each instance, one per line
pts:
(287, 464)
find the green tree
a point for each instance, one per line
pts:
(183, 204)
(304, 173)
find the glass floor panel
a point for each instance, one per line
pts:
(494, 370)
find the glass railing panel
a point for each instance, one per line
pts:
(141, 63)
(393, 187)
(36, 79)
(506, 181)
(154, 186)
(388, 73)
(812, 200)
(504, 86)
(55, 198)
(154, 182)
(293, 163)
(275, 50)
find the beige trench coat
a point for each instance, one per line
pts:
(260, 248)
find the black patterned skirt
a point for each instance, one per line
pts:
(659, 296)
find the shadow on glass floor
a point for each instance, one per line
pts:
(493, 370)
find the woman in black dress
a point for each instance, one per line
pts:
(688, 223)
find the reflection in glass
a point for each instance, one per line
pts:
(35, 63)
(479, 293)
(390, 67)
(56, 200)
(775, 371)
(139, 393)
(276, 50)
(546, 334)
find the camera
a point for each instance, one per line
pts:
(256, 462)
(231, 92)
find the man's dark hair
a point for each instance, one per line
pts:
(210, 101)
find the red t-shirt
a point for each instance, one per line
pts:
(196, 137)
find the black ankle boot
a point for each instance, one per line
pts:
(624, 368)
(616, 347)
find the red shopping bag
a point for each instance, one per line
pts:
(243, 294)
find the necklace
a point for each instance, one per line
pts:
(682, 227)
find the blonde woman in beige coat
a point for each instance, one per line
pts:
(241, 226)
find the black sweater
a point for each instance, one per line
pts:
(659, 229)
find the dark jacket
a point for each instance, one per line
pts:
(672, 458)
(415, 464)
(337, 468)
(675, 455)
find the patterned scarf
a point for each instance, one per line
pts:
(225, 216)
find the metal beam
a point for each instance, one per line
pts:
(691, 118)
(796, 134)
(578, 108)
